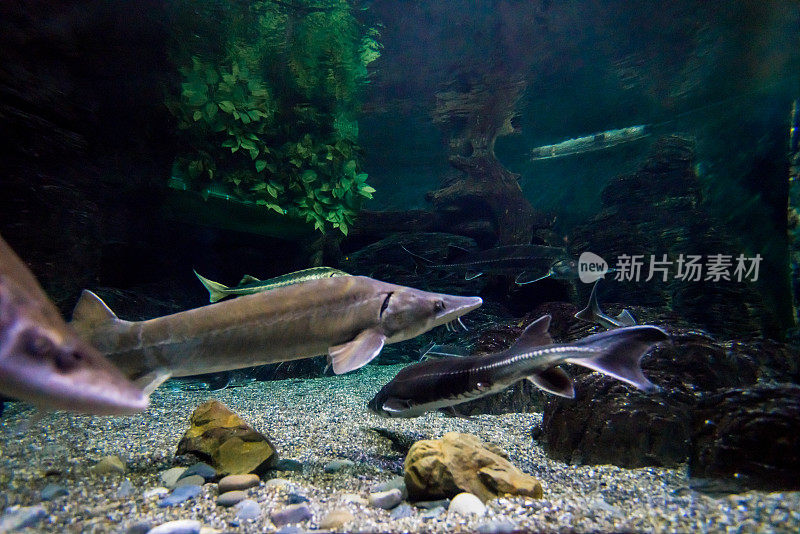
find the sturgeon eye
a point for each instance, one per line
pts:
(385, 304)
(439, 306)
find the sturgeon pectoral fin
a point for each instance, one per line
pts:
(554, 380)
(356, 353)
(472, 275)
(150, 382)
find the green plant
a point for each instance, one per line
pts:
(274, 123)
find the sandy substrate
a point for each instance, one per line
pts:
(316, 421)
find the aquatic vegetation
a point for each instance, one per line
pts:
(268, 109)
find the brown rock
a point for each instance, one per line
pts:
(222, 438)
(436, 469)
(238, 482)
(335, 519)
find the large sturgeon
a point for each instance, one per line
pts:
(350, 318)
(437, 384)
(44, 362)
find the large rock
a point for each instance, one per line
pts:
(222, 438)
(749, 435)
(443, 468)
(611, 422)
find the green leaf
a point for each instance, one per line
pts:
(211, 110)
(308, 176)
(350, 168)
(343, 228)
(197, 115)
(260, 166)
(229, 143)
(273, 192)
(259, 187)
(227, 106)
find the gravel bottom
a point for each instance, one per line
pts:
(316, 421)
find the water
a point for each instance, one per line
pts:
(406, 142)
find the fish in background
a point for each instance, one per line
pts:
(527, 263)
(349, 318)
(444, 383)
(44, 362)
(593, 314)
(250, 284)
(435, 350)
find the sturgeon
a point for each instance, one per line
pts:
(251, 284)
(350, 318)
(43, 361)
(438, 384)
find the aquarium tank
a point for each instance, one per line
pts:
(403, 266)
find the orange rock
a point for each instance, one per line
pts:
(436, 469)
(220, 437)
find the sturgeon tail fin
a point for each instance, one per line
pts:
(216, 291)
(617, 353)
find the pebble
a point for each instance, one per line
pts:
(337, 465)
(498, 526)
(182, 526)
(202, 469)
(179, 495)
(394, 483)
(51, 491)
(287, 464)
(248, 509)
(335, 519)
(402, 511)
(19, 517)
(466, 504)
(191, 480)
(108, 465)
(155, 492)
(296, 498)
(169, 477)
(386, 499)
(238, 482)
(125, 489)
(230, 498)
(295, 513)
(290, 529)
(433, 512)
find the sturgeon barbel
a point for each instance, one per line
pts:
(437, 384)
(350, 318)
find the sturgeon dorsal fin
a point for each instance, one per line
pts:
(592, 310)
(248, 279)
(91, 311)
(356, 353)
(535, 335)
(554, 380)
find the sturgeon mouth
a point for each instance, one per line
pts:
(454, 308)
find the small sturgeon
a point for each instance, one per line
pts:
(44, 362)
(593, 314)
(348, 317)
(436, 384)
(251, 284)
